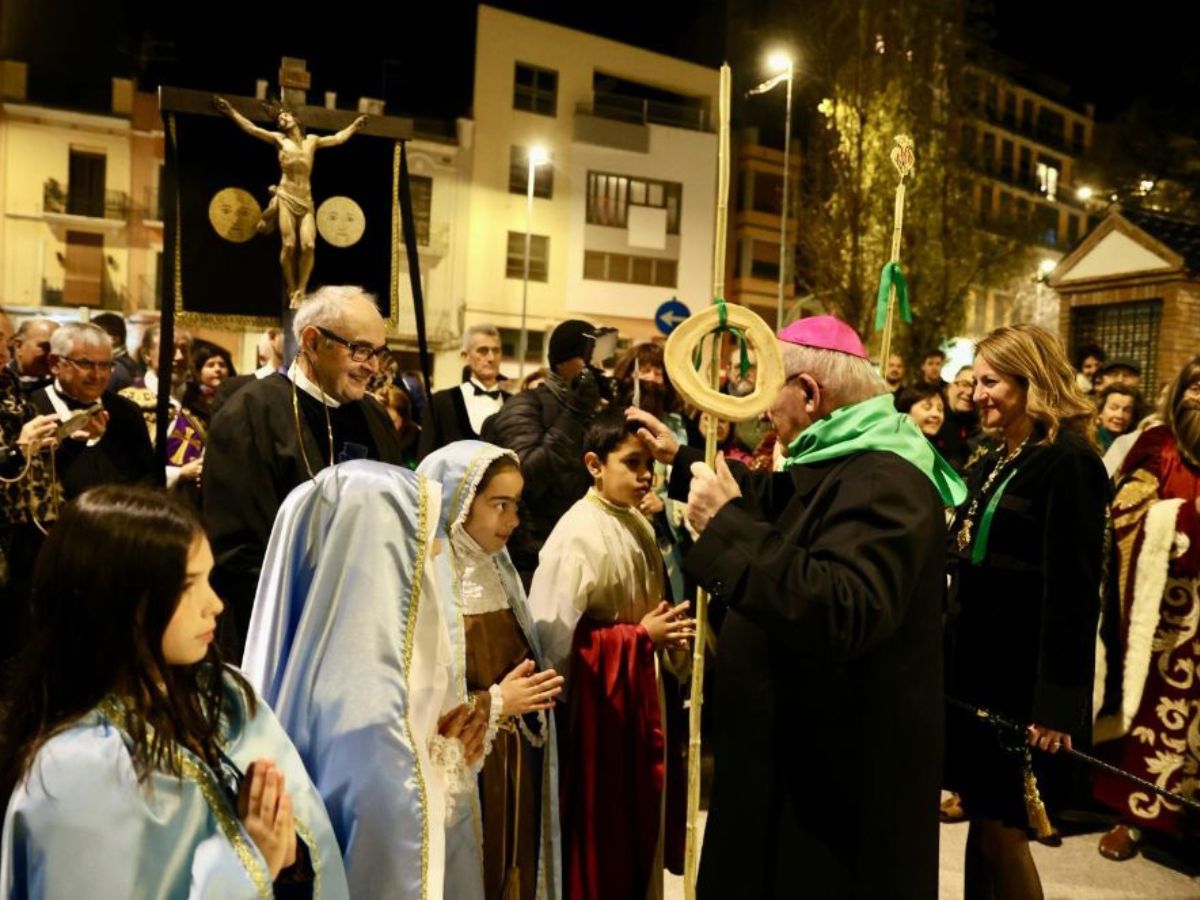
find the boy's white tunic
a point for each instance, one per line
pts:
(600, 559)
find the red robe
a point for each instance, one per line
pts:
(612, 756)
(1155, 644)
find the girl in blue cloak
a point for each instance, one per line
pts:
(138, 765)
(505, 844)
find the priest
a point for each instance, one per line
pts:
(828, 711)
(282, 430)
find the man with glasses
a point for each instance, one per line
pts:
(279, 431)
(30, 363)
(959, 435)
(112, 446)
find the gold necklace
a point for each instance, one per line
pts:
(964, 532)
(300, 432)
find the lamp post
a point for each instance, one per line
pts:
(783, 66)
(537, 156)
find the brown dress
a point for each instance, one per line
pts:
(509, 785)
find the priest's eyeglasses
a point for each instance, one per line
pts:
(89, 365)
(359, 351)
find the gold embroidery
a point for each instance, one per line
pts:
(414, 601)
(200, 775)
(314, 854)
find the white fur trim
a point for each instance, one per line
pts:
(1150, 579)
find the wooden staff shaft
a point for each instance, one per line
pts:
(885, 349)
(692, 846)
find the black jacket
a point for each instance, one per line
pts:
(445, 420)
(548, 437)
(253, 459)
(122, 456)
(828, 706)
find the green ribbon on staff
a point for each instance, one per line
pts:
(724, 326)
(892, 276)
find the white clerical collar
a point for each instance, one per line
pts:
(265, 371)
(302, 381)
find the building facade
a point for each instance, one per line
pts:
(623, 213)
(1023, 148)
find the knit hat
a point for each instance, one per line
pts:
(569, 340)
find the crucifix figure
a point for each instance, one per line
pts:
(291, 205)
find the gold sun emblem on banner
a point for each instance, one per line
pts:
(234, 214)
(341, 221)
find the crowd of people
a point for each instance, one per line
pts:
(460, 622)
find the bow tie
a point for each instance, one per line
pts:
(480, 392)
(72, 403)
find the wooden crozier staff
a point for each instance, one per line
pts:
(686, 343)
(893, 289)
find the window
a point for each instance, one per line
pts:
(1046, 219)
(539, 256)
(85, 184)
(535, 90)
(1077, 137)
(1006, 159)
(1129, 330)
(1026, 115)
(84, 264)
(768, 193)
(1047, 178)
(764, 260)
(1051, 127)
(510, 342)
(518, 175)
(989, 152)
(629, 269)
(421, 189)
(1025, 167)
(1010, 108)
(610, 196)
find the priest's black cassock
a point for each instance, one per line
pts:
(255, 456)
(828, 707)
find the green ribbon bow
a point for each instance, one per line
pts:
(892, 276)
(724, 326)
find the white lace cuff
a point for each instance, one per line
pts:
(495, 711)
(449, 755)
(535, 740)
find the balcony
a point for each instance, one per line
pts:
(642, 111)
(88, 210)
(89, 292)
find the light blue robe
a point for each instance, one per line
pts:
(459, 467)
(81, 826)
(351, 650)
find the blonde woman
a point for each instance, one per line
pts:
(1026, 553)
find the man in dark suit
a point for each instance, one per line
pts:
(458, 413)
(112, 447)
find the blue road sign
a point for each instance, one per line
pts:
(671, 315)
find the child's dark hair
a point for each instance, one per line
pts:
(914, 394)
(106, 584)
(607, 431)
(495, 467)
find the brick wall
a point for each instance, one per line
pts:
(1179, 328)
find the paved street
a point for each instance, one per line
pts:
(1074, 871)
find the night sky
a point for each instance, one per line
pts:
(419, 57)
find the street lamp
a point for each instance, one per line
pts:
(537, 156)
(783, 66)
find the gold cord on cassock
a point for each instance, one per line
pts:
(300, 432)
